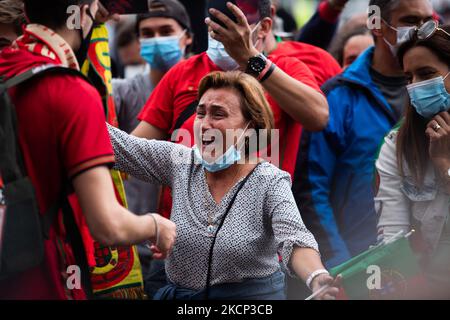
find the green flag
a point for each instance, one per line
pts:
(388, 271)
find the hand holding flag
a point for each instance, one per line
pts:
(386, 271)
(325, 287)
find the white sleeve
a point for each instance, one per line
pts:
(392, 205)
(287, 224)
(153, 161)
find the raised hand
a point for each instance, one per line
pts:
(438, 131)
(103, 15)
(236, 37)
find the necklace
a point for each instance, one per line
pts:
(211, 228)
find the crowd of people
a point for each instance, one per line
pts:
(149, 168)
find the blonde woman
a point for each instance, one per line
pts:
(233, 216)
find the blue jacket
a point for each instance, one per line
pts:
(333, 185)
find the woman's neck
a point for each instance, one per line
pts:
(224, 174)
(220, 183)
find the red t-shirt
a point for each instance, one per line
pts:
(179, 87)
(62, 132)
(321, 63)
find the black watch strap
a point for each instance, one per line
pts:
(268, 73)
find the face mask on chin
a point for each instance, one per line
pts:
(226, 160)
(82, 52)
(217, 53)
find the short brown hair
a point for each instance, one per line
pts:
(51, 13)
(254, 104)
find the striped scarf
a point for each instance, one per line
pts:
(45, 42)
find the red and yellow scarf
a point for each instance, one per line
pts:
(118, 270)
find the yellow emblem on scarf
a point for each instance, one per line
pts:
(118, 271)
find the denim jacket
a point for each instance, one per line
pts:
(403, 205)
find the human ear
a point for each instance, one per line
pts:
(265, 28)
(187, 39)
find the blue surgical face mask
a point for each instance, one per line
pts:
(429, 97)
(217, 53)
(162, 53)
(230, 157)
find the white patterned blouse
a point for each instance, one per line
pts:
(263, 222)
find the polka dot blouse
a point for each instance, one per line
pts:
(263, 222)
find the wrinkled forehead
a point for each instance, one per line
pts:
(225, 97)
(249, 7)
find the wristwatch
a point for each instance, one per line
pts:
(256, 65)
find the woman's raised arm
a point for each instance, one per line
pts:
(148, 160)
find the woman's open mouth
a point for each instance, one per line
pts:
(208, 141)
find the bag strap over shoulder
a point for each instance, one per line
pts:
(13, 169)
(186, 114)
(47, 68)
(211, 251)
(12, 165)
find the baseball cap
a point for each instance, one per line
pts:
(167, 9)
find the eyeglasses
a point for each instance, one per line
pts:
(428, 29)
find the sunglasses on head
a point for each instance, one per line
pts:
(428, 29)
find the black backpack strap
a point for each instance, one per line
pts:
(13, 168)
(27, 75)
(13, 165)
(41, 70)
(186, 114)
